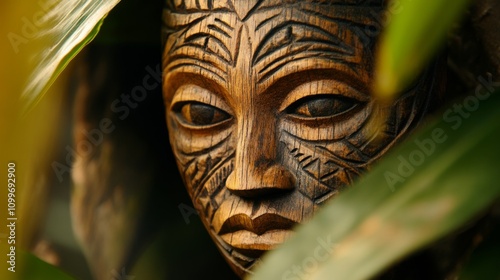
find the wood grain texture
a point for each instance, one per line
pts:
(268, 106)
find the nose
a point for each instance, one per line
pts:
(260, 182)
(257, 167)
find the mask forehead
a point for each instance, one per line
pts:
(273, 38)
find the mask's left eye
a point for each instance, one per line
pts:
(322, 105)
(200, 114)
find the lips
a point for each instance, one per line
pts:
(254, 236)
(258, 225)
(254, 245)
(253, 228)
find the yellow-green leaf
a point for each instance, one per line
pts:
(60, 30)
(410, 40)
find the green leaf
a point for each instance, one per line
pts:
(450, 175)
(34, 268)
(62, 32)
(415, 33)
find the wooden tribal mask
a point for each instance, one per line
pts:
(268, 105)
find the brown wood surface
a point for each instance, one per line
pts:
(267, 108)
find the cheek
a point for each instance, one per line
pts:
(323, 167)
(326, 156)
(212, 192)
(204, 162)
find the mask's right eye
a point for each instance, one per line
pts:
(200, 114)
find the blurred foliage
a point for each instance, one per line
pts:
(34, 268)
(41, 37)
(369, 227)
(416, 29)
(61, 29)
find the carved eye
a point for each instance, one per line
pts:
(200, 114)
(323, 105)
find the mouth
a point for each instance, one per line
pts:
(251, 228)
(258, 225)
(254, 245)
(257, 235)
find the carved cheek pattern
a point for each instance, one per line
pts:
(323, 158)
(327, 158)
(204, 166)
(320, 167)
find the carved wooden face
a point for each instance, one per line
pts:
(267, 109)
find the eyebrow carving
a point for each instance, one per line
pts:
(292, 41)
(318, 35)
(206, 49)
(289, 35)
(196, 66)
(194, 41)
(292, 34)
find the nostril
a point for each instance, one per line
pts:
(273, 180)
